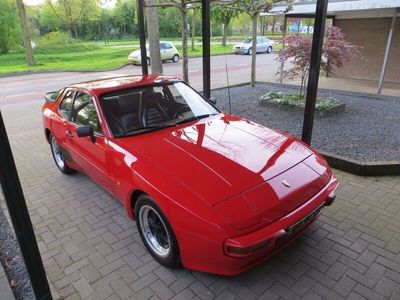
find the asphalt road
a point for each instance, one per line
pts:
(31, 87)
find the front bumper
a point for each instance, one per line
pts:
(135, 60)
(210, 256)
(239, 50)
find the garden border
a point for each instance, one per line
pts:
(362, 168)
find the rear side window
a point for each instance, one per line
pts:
(65, 106)
(84, 112)
(168, 46)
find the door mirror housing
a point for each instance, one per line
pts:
(83, 131)
(213, 100)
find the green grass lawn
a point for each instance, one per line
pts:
(86, 56)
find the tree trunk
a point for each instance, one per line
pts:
(25, 33)
(185, 60)
(194, 30)
(225, 34)
(154, 37)
(75, 31)
(254, 48)
(273, 25)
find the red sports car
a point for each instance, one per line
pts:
(211, 190)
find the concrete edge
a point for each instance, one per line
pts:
(5, 288)
(362, 168)
(340, 92)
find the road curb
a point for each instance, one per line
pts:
(60, 71)
(6, 291)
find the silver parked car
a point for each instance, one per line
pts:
(263, 45)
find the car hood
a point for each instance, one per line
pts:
(219, 156)
(136, 53)
(243, 45)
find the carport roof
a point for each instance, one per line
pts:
(343, 8)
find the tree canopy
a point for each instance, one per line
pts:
(10, 31)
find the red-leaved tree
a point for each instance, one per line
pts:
(336, 51)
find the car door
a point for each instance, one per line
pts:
(60, 120)
(259, 45)
(263, 45)
(169, 51)
(164, 51)
(90, 155)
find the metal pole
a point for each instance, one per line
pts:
(142, 37)
(313, 77)
(21, 221)
(387, 51)
(283, 46)
(205, 14)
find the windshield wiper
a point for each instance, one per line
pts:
(148, 129)
(194, 118)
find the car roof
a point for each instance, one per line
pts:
(107, 85)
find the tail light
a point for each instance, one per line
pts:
(242, 251)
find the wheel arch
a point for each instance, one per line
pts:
(47, 133)
(132, 201)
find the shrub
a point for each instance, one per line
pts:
(336, 51)
(57, 41)
(322, 103)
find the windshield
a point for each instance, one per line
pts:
(247, 41)
(149, 108)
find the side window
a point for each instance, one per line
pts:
(84, 112)
(168, 46)
(65, 106)
(163, 46)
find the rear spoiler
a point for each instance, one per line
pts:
(51, 96)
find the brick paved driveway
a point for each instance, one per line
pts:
(91, 250)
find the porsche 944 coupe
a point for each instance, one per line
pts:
(209, 190)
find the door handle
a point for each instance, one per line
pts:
(69, 133)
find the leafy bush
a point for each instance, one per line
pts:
(61, 42)
(323, 103)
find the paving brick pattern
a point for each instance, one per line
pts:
(91, 250)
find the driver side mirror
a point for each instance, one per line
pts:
(213, 100)
(83, 131)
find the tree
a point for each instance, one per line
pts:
(10, 33)
(25, 33)
(75, 13)
(183, 6)
(336, 51)
(123, 16)
(193, 29)
(154, 37)
(253, 9)
(224, 16)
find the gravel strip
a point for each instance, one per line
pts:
(12, 261)
(369, 130)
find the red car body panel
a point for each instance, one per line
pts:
(221, 181)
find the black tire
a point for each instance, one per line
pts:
(145, 204)
(269, 49)
(175, 58)
(249, 51)
(64, 168)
